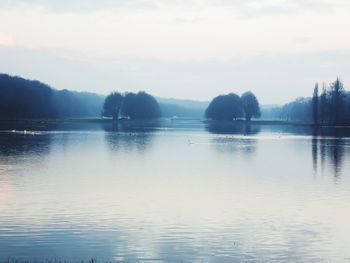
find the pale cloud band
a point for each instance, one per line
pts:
(250, 6)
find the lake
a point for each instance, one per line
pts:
(174, 191)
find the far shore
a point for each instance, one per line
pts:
(205, 121)
(278, 122)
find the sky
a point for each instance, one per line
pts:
(193, 49)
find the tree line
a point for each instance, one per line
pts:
(22, 98)
(328, 106)
(232, 107)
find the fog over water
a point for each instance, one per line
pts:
(177, 191)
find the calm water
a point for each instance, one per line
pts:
(175, 191)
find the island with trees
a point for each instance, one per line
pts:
(130, 105)
(232, 107)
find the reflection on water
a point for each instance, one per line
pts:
(175, 191)
(20, 145)
(232, 145)
(328, 151)
(134, 126)
(335, 153)
(126, 142)
(232, 128)
(128, 136)
(331, 151)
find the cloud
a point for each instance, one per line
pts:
(252, 8)
(274, 79)
(6, 40)
(77, 5)
(245, 7)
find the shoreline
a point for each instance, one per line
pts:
(204, 121)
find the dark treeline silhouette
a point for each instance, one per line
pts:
(134, 106)
(231, 107)
(21, 98)
(331, 107)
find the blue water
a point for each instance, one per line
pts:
(174, 191)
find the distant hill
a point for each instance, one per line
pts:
(190, 104)
(172, 110)
(182, 108)
(22, 98)
(270, 112)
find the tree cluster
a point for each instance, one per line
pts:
(331, 106)
(231, 107)
(21, 98)
(132, 105)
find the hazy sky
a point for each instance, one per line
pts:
(193, 49)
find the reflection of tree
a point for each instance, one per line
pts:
(235, 145)
(331, 150)
(128, 141)
(229, 144)
(241, 128)
(315, 153)
(130, 135)
(24, 146)
(323, 149)
(133, 126)
(335, 152)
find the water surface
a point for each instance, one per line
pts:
(174, 191)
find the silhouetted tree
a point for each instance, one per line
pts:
(250, 105)
(315, 104)
(337, 97)
(140, 106)
(112, 105)
(333, 106)
(323, 104)
(225, 107)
